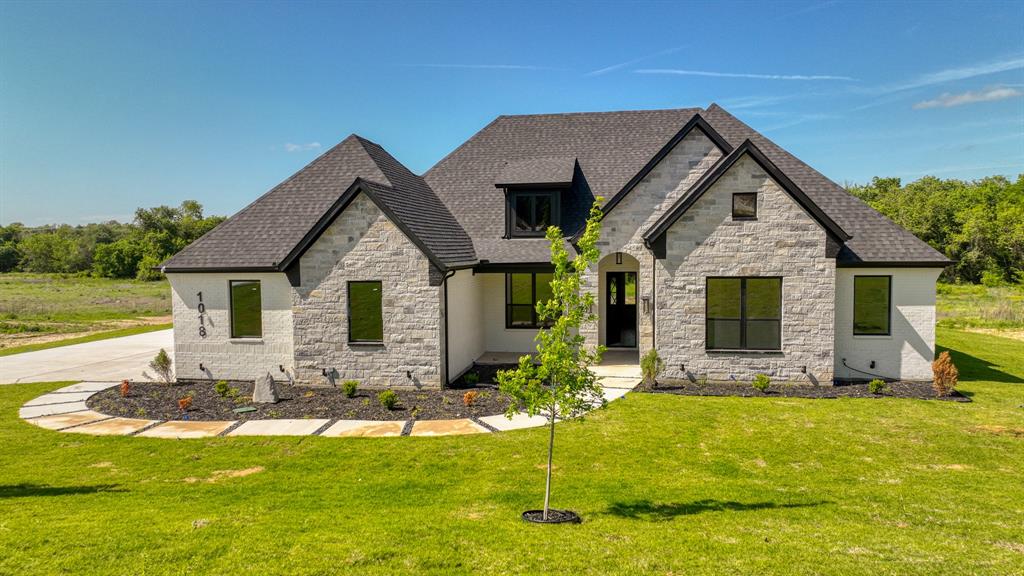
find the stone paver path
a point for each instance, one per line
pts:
(65, 410)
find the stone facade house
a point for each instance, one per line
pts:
(721, 250)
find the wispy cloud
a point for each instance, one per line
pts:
(743, 102)
(807, 9)
(800, 119)
(487, 66)
(952, 74)
(291, 147)
(620, 65)
(948, 100)
(677, 72)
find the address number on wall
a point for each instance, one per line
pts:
(202, 316)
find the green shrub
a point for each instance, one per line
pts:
(652, 366)
(163, 367)
(388, 399)
(471, 378)
(761, 383)
(350, 387)
(221, 388)
(877, 386)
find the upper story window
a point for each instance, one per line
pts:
(872, 305)
(744, 206)
(246, 309)
(532, 211)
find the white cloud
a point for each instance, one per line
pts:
(290, 147)
(951, 74)
(487, 66)
(992, 94)
(677, 72)
(614, 67)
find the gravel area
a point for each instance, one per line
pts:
(919, 390)
(160, 402)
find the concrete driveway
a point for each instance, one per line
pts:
(103, 360)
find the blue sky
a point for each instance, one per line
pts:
(107, 107)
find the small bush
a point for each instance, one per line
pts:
(877, 386)
(388, 399)
(651, 365)
(222, 388)
(233, 393)
(761, 383)
(126, 388)
(469, 398)
(946, 375)
(471, 378)
(163, 366)
(349, 387)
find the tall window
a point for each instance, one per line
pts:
(246, 309)
(744, 314)
(522, 292)
(872, 305)
(365, 312)
(530, 213)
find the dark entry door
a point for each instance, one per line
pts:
(620, 309)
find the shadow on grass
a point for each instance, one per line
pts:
(31, 490)
(652, 512)
(974, 368)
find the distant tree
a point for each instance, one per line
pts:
(48, 252)
(117, 260)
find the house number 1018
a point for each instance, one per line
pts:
(202, 314)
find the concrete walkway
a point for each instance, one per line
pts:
(108, 360)
(65, 410)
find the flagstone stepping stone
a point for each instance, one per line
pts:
(59, 398)
(187, 429)
(446, 427)
(298, 427)
(61, 421)
(518, 422)
(113, 427)
(48, 409)
(86, 387)
(365, 428)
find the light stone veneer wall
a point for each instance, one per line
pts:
(222, 356)
(907, 353)
(363, 244)
(784, 241)
(623, 227)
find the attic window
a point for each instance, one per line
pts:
(530, 212)
(744, 206)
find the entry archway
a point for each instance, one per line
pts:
(618, 298)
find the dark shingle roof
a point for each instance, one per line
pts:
(549, 171)
(266, 234)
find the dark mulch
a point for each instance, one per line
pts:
(160, 402)
(919, 390)
(488, 375)
(554, 516)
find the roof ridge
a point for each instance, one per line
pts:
(694, 109)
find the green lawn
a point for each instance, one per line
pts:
(665, 484)
(976, 306)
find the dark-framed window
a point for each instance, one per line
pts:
(744, 205)
(522, 292)
(246, 304)
(365, 311)
(743, 313)
(872, 305)
(530, 212)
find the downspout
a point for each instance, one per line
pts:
(444, 284)
(654, 302)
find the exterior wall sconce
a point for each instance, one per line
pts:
(408, 374)
(618, 257)
(646, 301)
(201, 367)
(280, 367)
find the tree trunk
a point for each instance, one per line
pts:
(551, 449)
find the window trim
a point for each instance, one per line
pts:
(348, 311)
(734, 216)
(535, 323)
(743, 314)
(231, 310)
(888, 322)
(510, 210)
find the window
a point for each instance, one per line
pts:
(872, 304)
(744, 314)
(522, 292)
(246, 309)
(744, 205)
(365, 312)
(530, 213)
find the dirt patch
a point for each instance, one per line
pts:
(59, 331)
(1014, 546)
(160, 402)
(219, 475)
(1000, 430)
(1012, 334)
(918, 390)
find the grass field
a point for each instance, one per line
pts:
(38, 309)
(665, 484)
(976, 306)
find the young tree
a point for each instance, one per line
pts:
(561, 384)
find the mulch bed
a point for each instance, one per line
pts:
(918, 390)
(488, 374)
(158, 401)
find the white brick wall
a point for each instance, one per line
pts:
(783, 241)
(908, 352)
(466, 330)
(222, 356)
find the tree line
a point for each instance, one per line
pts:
(979, 223)
(109, 249)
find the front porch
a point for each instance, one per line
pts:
(616, 363)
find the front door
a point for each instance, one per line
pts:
(620, 309)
